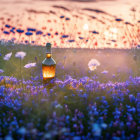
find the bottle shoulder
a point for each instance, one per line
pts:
(49, 61)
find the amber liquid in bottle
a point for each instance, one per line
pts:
(48, 66)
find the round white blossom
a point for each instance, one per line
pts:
(20, 55)
(93, 63)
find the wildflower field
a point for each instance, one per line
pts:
(95, 94)
(79, 103)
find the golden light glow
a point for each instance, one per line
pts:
(48, 55)
(92, 68)
(48, 72)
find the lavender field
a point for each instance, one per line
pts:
(78, 104)
(95, 94)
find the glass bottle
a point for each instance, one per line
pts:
(48, 65)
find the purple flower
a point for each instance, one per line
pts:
(1, 71)
(33, 42)
(56, 33)
(67, 18)
(48, 34)
(8, 137)
(81, 38)
(31, 29)
(20, 31)
(2, 88)
(22, 131)
(138, 96)
(131, 97)
(95, 32)
(6, 32)
(104, 125)
(138, 46)
(104, 72)
(58, 106)
(62, 16)
(26, 41)
(118, 19)
(71, 41)
(7, 26)
(39, 33)
(28, 33)
(76, 138)
(12, 31)
(64, 36)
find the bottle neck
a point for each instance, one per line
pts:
(48, 55)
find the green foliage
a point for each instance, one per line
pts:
(118, 62)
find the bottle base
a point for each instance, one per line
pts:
(49, 82)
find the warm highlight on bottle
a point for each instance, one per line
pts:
(48, 65)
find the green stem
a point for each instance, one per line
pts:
(20, 69)
(21, 74)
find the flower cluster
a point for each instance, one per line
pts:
(69, 109)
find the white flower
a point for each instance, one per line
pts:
(1, 71)
(20, 55)
(7, 56)
(30, 65)
(113, 75)
(104, 72)
(93, 63)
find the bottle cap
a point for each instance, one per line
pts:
(48, 46)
